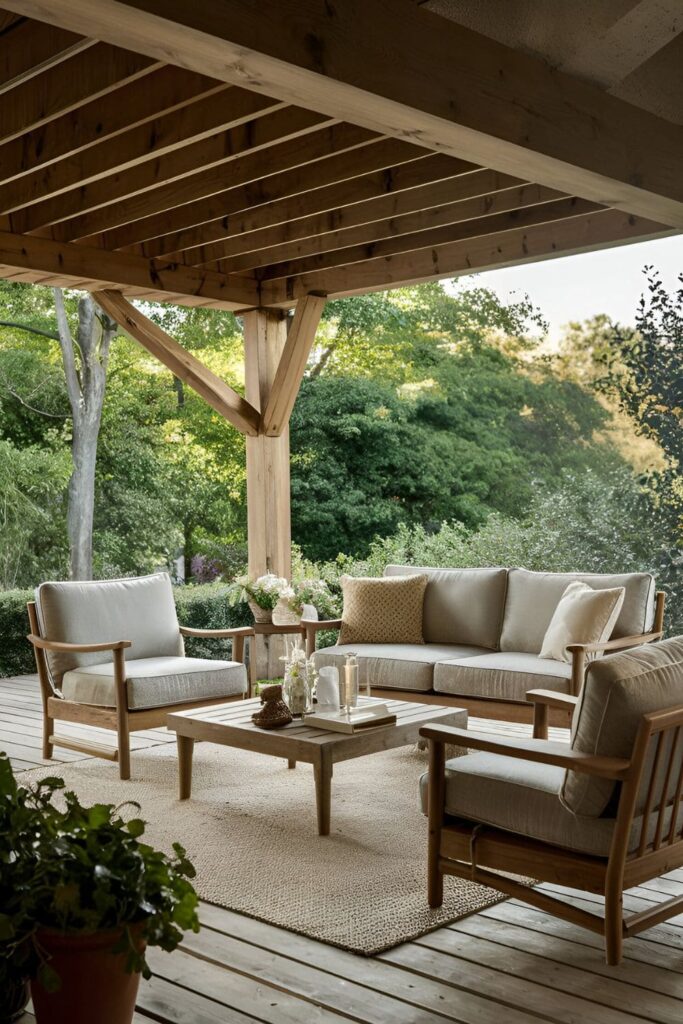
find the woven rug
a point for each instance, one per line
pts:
(250, 829)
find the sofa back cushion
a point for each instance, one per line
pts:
(461, 606)
(618, 691)
(141, 610)
(382, 611)
(532, 598)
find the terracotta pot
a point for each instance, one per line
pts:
(95, 985)
(260, 614)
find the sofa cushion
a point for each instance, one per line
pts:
(157, 682)
(501, 675)
(382, 611)
(583, 615)
(395, 666)
(523, 797)
(618, 691)
(141, 610)
(461, 606)
(532, 597)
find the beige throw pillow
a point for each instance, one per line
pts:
(583, 616)
(384, 610)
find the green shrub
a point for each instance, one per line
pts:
(201, 607)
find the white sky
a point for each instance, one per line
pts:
(577, 287)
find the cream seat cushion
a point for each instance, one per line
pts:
(157, 682)
(395, 666)
(505, 675)
(523, 797)
(583, 616)
(382, 610)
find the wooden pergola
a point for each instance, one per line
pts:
(261, 156)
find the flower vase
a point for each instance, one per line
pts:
(260, 614)
(284, 614)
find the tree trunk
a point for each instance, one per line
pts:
(85, 381)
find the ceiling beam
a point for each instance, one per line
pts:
(85, 76)
(349, 201)
(431, 236)
(525, 245)
(101, 120)
(398, 69)
(100, 269)
(31, 47)
(176, 199)
(270, 125)
(224, 107)
(220, 396)
(415, 214)
(292, 363)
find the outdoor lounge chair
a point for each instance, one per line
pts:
(80, 634)
(601, 814)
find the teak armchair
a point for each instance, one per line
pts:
(602, 814)
(80, 634)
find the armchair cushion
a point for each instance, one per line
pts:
(532, 598)
(395, 666)
(505, 675)
(618, 691)
(523, 797)
(141, 610)
(461, 606)
(157, 682)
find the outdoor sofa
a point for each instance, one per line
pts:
(483, 631)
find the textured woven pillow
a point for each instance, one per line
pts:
(385, 610)
(583, 616)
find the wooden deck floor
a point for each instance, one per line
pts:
(509, 964)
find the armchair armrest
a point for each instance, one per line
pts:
(59, 646)
(541, 751)
(237, 634)
(621, 643)
(543, 700)
(313, 626)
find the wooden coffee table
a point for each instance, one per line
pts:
(231, 725)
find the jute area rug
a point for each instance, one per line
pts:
(250, 829)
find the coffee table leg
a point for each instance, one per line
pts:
(322, 771)
(185, 751)
(291, 763)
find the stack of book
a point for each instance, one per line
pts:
(367, 716)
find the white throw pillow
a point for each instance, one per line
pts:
(583, 616)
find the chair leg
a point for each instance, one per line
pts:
(123, 735)
(48, 729)
(614, 927)
(435, 814)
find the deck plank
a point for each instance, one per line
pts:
(508, 964)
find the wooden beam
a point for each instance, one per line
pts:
(398, 69)
(525, 245)
(145, 178)
(432, 236)
(476, 212)
(290, 369)
(85, 76)
(176, 227)
(217, 110)
(31, 47)
(184, 194)
(100, 269)
(396, 194)
(268, 486)
(220, 396)
(164, 90)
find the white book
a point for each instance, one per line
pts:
(366, 716)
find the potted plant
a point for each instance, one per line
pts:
(302, 595)
(97, 897)
(17, 873)
(261, 594)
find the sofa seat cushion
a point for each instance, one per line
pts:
(523, 797)
(395, 666)
(461, 606)
(501, 675)
(532, 598)
(157, 682)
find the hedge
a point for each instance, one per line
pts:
(202, 607)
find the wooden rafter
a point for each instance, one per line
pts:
(290, 368)
(398, 69)
(31, 47)
(182, 363)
